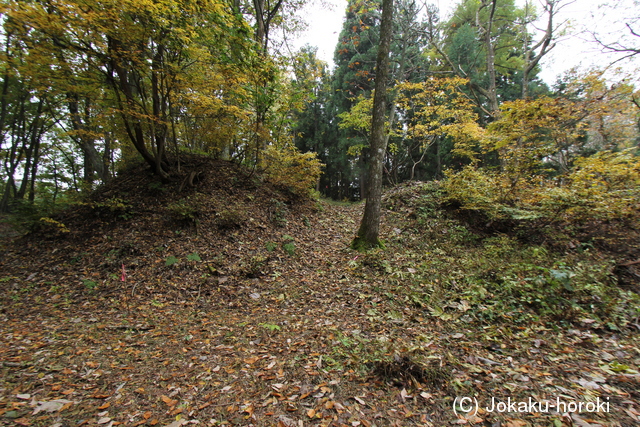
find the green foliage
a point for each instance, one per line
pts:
(376, 260)
(459, 275)
(171, 260)
(37, 216)
(288, 245)
(464, 47)
(90, 285)
(186, 210)
(290, 169)
(289, 248)
(361, 245)
(532, 135)
(270, 246)
(253, 267)
(437, 108)
(157, 187)
(50, 227)
(434, 112)
(271, 327)
(607, 185)
(355, 53)
(194, 257)
(358, 117)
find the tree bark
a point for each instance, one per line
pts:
(368, 233)
(491, 91)
(544, 44)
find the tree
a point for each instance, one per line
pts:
(354, 77)
(543, 136)
(25, 119)
(140, 53)
(489, 43)
(314, 127)
(368, 233)
(436, 111)
(94, 82)
(534, 51)
(433, 113)
(355, 54)
(609, 109)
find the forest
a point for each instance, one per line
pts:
(180, 199)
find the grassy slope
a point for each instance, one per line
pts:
(277, 322)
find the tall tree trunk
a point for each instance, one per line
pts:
(265, 12)
(82, 125)
(122, 79)
(368, 234)
(491, 91)
(531, 59)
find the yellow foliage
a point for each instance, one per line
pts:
(608, 185)
(530, 131)
(295, 171)
(477, 189)
(438, 108)
(604, 186)
(432, 109)
(51, 225)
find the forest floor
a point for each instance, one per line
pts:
(228, 302)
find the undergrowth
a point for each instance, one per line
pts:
(438, 263)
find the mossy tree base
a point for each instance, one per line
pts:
(361, 244)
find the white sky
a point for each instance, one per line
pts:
(571, 51)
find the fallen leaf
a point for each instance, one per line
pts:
(51, 406)
(582, 423)
(169, 401)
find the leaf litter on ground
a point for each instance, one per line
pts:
(240, 335)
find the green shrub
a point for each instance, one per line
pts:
(37, 216)
(194, 257)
